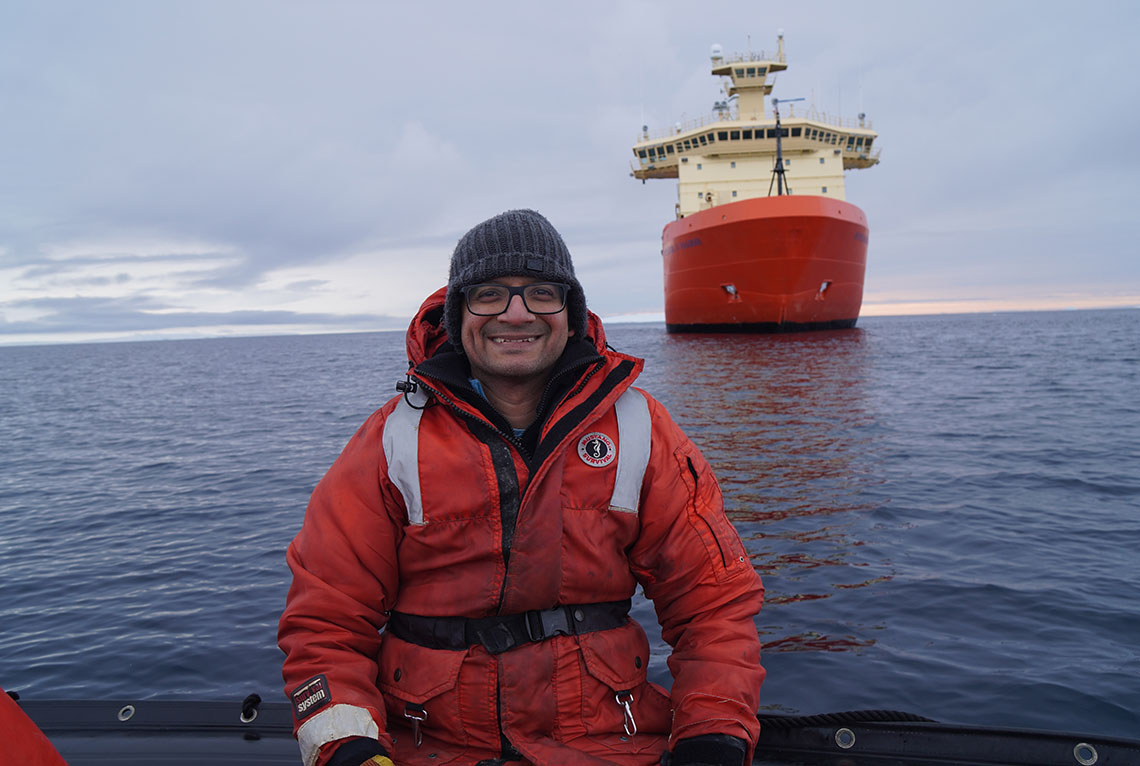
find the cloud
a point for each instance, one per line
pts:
(140, 314)
(323, 159)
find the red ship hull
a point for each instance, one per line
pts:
(774, 264)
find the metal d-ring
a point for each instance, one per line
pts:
(126, 712)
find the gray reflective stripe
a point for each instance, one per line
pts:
(402, 450)
(338, 722)
(635, 437)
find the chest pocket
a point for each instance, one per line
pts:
(402, 451)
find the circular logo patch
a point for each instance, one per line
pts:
(596, 449)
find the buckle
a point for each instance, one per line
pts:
(496, 637)
(543, 624)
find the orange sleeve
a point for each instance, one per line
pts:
(345, 579)
(690, 560)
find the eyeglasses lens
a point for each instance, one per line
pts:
(539, 298)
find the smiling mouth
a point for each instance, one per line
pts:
(528, 339)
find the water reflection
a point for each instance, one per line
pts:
(787, 423)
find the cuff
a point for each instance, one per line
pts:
(356, 751)
(710, 750)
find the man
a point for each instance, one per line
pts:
(493, 522)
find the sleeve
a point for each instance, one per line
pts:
(693, 566)
(345, 579)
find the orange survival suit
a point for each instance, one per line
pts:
(436, 512)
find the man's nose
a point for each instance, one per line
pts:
(516, 311)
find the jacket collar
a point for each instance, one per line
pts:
(449, 367)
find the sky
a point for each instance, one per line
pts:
(201, 168)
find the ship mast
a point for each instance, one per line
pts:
(778, 171)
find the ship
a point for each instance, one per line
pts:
(764, 239)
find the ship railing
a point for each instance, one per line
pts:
(739, 58)
(695, 123)
(670, 164)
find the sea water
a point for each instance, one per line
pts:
(945, 510)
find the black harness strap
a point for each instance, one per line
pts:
(500, 633)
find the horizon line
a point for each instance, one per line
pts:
(870, 310)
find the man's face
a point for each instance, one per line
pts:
(516, 344)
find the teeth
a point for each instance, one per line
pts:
(512, 340)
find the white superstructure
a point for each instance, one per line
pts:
(730, 156)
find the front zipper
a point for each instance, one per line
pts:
(507, 521)
(509, 437)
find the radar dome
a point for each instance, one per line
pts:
(716, 52)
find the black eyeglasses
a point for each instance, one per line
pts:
(490, 299)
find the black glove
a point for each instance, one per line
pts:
(708, 750)
(357, 751)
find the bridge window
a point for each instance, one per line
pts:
(739, 72)
(761, 70)
(641, 153)
(669, 149)
(703, 140)
(796, 132)
(746, 134)
(722, 135)
(734, 135)
(751, 71)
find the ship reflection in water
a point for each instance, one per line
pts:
(787, 424)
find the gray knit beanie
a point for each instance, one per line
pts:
(517, 243)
